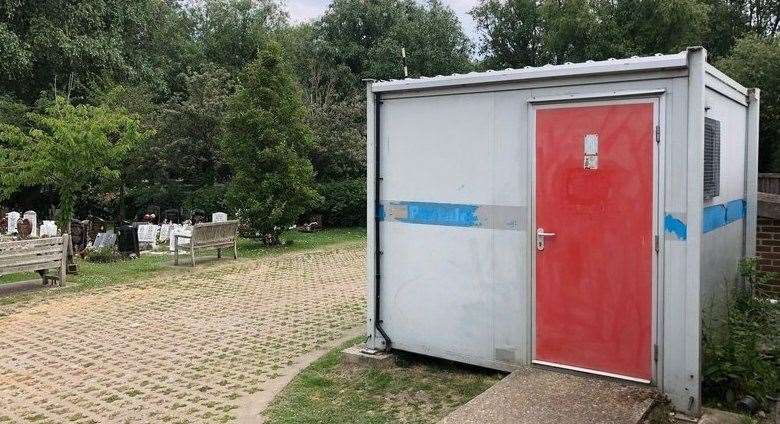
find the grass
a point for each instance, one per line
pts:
(413, 389)
(92, 275)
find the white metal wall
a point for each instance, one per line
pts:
(724, 229)
(464, 292)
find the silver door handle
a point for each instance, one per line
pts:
(540, 235)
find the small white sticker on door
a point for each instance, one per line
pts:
(591, 160)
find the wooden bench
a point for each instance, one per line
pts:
(208, 235)
(38, 255)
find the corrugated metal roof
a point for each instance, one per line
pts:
(657, 62)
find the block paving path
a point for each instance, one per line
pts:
(176, 350)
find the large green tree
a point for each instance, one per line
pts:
(84, 44)
(68, 149)
(266, 144)
(517, 33)
(755, 62)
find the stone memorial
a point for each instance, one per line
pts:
(13, 221)
(104, 240)
(179, 230)
(219, 217)
(24, 228)
(127, 240)
(48, 229)
(33, 218)
(147, 234)
(164, 234)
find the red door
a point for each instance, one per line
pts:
(594, 188)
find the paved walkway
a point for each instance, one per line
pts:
(536, 396)
(190, 350)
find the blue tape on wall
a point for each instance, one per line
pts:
(675, 226)
(713, 217)
(441, 214)
(717, 216)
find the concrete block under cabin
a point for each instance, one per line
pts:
(361, 355)
(580, 217)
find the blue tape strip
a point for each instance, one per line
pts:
(441, 214)
(676, 226)
(717, 216)
(449, 214)
(713, 217)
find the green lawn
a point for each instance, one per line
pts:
(413, 389)
(92, 275)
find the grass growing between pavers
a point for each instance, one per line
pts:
(413, 389)
(93, 275)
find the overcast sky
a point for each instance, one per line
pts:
(304, 10)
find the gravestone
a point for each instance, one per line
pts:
(48, 229)
(33, 218)
(127, 240)
(219, 217)
(24, 228)
(78, 234)
(13, 221)
(147, 234)
(180, 230)
(164, 234)
(104, 240)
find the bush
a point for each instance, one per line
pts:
(743, 357)
(102, 255)
(344, 203)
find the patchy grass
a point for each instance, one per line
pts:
(414, 389)
(92, 275)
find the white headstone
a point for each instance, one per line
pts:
(147, 233)
(33, 218)
(180, 230)
(48, 229)
(165, 232)
(219, 217)
(13, 220)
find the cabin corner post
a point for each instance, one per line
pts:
(751, 171)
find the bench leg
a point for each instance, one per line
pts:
(64, 264)
(219, 253)
(235, 250)
(176, 250)
(192, 254)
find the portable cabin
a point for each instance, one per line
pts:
(579, 216)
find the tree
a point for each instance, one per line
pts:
(68, 149)
(266, 144)
(83, 44)
(517, 33)
(367, 37)
(731, 20)
(755, 62)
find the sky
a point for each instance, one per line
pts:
(304, 10)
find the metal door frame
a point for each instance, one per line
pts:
(657, 99)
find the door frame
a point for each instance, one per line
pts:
(658, 99)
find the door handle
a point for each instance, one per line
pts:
(540, 235)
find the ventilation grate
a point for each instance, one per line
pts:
(711, 158)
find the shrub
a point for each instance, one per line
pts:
(266, 144)
(344, 203)
(743, 357)
(102, 255)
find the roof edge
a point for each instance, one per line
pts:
(610, 66)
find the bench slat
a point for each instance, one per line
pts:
(30, 259)
(49, 241)
(28, 268)
(38, 250)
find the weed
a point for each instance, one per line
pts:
(743, 357)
